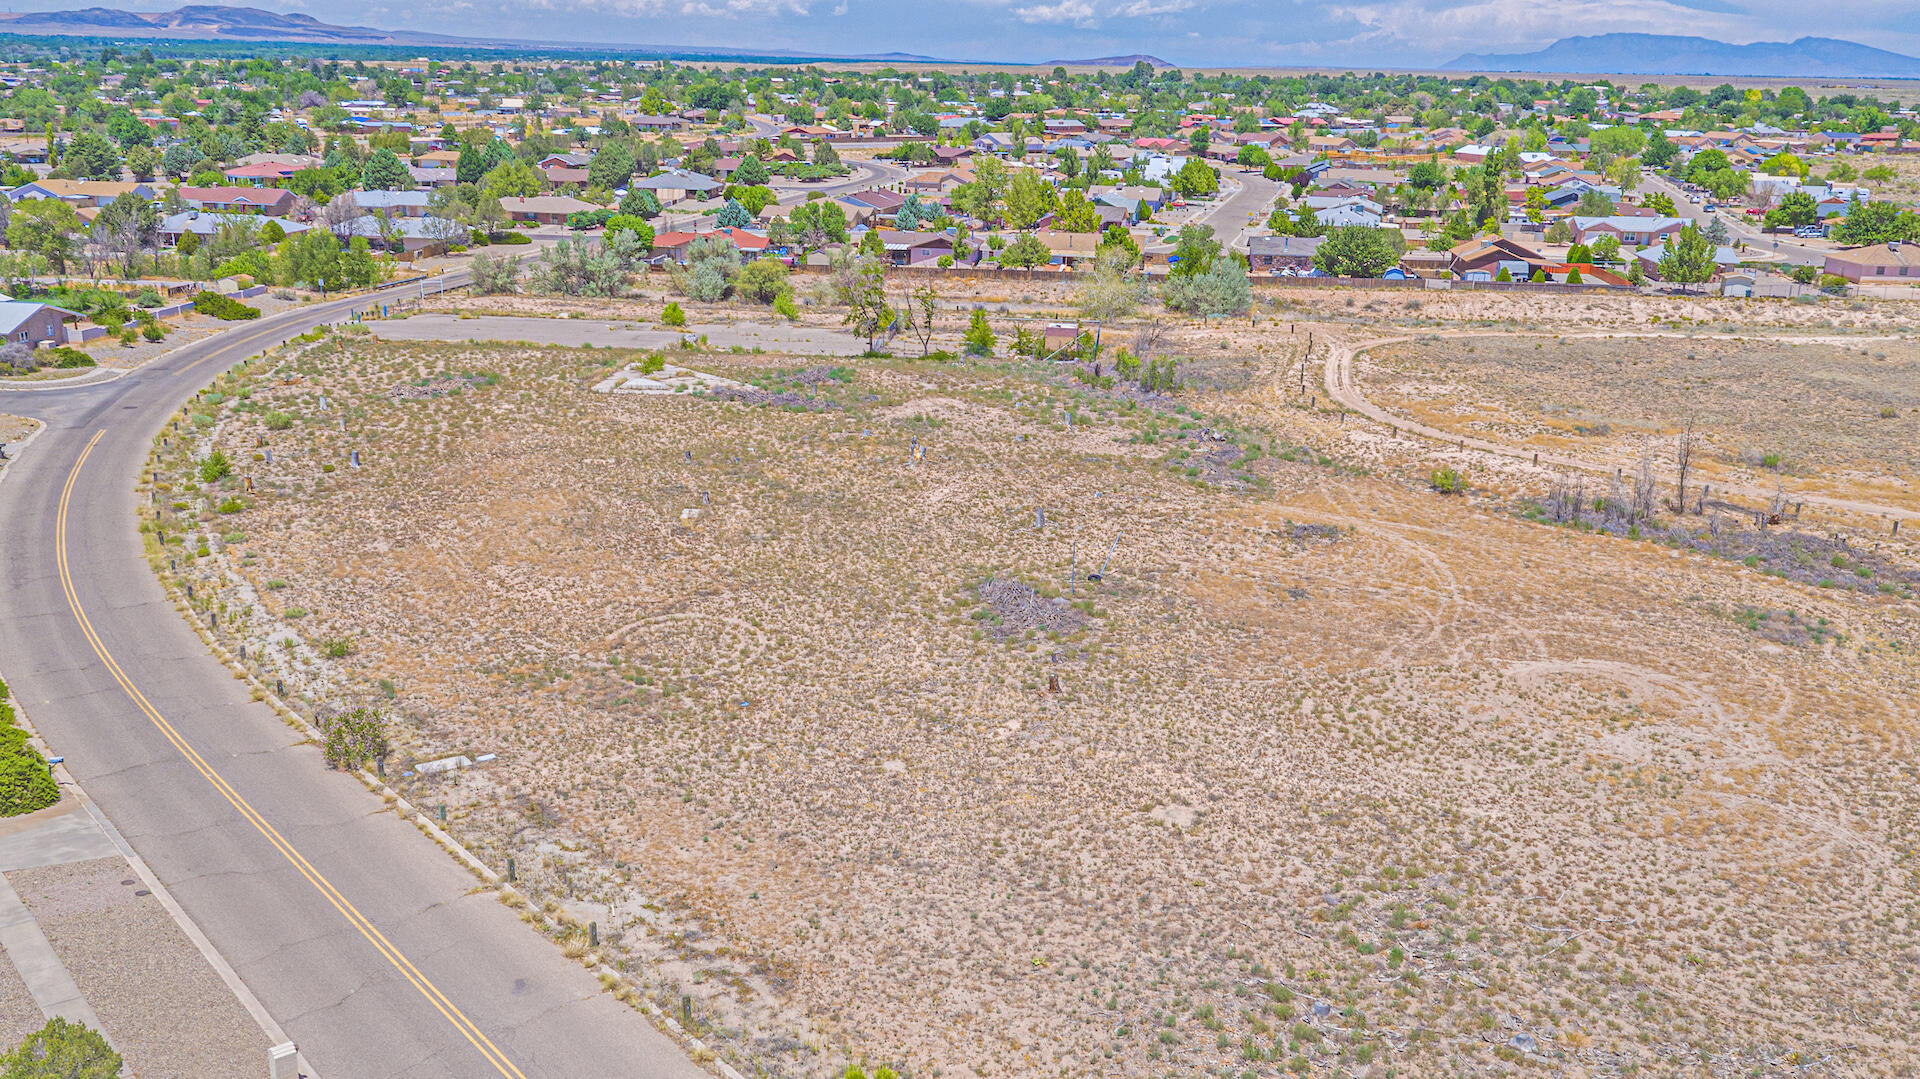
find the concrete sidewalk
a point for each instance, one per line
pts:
(90, 937)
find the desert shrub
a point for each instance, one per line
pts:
(232, 506)
(761, 281)
(672, 315)
(62, 1050)
(224, 308)
(62, 356)
(215, 467)
(1447, 480)
(979, 338)
(278, 421)
(784, 306)
(355, 738)
(18, 359)
(26, 784)
(152, 330)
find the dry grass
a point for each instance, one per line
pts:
(1483, 788)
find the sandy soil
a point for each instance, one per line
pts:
(1327, 771)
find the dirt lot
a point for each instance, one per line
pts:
(1833, 413)
(1326, 771)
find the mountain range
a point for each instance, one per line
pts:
(1664, 54)
(219, 22)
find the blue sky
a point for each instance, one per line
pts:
(1343, 33)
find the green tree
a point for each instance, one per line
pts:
(91, 157)
(1660, 150)
(1194, 250)
(1865, 223)
(1028, 200)
(1194, 179)
(1688, 261)
(62, 1050)
(1795, 210)
(384, 171)
(611, 167)
(1076, 213)
(733, 215)
(762, 280)
(1222, 290)
(640, 202)
(1025, 252)
(512, 179)
(979, 339)
(1357, 251)
(752, 171)
(642, 231)
(1594, 203)
(863, 289)
(44, 227)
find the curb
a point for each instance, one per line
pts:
(228, 976)
(406, 811)
(113, 374)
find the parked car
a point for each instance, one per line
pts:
(1811, 232)
(1693, 198)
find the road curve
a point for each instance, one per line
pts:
(361, 937)
(1341, 387)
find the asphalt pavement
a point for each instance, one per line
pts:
(1789, 251)
(365, 941)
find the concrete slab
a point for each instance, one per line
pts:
(63, 832)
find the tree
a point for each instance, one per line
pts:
(1660, 150)
(1784, 163)
(1195, 178)
(640, 202)
(513, 179)
(638, 226)
(862, 287)
(752, 171)
(1028, 200)
(1716, 232)
(1688, 261)
(1797, 209)
(1594, 203)
(1200, 141)
(1252, 156)
(1869, 223)
(180, 158)
(1606, 249)
(470, 166)
(62, 1050)
(1706, 161)
(44, 227)
(1110, 291)
(1357, 251)
(733, 215)
(1076, 213)
(1427, 175)
(91, 157)
(384, 171)
(922, 303)
(1194, 250)
(1662, 204)
(611, 167)
(1025, 252)
(1573, 276)
(762, 281)
(979, 337)
(817, 224)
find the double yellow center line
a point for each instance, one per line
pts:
(325, 887)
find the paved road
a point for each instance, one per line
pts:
(1789, 252)
(357, 933)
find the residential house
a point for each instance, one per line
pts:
(544, 209)
(1483, 257)
(915, 248)
(566, 176)
(204, 224)
(1630, 231)
(270, 201)
(24, 322)
(80, 193)
(394, 203)
(1879, 264)
(259, 174)
(1285, 255)
(1069, 248)
(676, 185)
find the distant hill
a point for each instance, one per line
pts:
(1110, 61)
(1662, 54)
(218, 22)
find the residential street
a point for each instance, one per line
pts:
(370, 945)
(1789, 251)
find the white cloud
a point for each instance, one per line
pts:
(1493, 25)
(1090, 13)
(708, 9)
